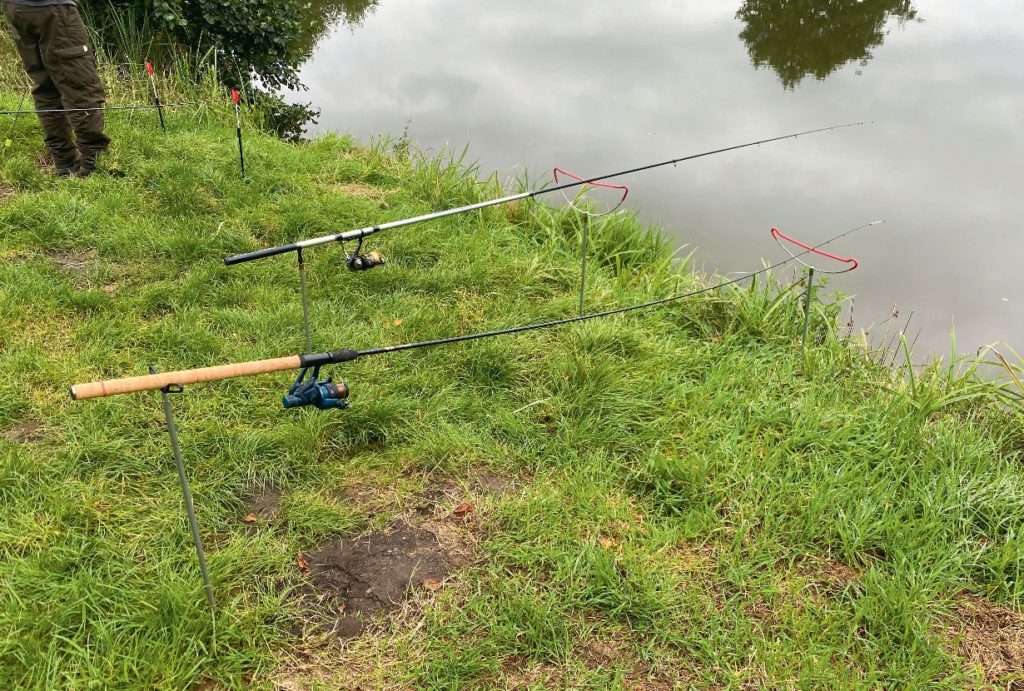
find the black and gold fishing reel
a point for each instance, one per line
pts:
(359, 261)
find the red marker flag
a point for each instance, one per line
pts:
(237, 99)
(156, 95)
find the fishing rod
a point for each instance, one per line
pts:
(309, 390)
(93, 110)
(361, 233)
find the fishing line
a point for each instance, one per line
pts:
(9, 141)
(93, 110)
(611, 312)
(370, 230)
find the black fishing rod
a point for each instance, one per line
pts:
(308, 390)
(361, 233)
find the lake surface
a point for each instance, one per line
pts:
(596, 87)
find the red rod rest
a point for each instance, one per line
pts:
(779, 235)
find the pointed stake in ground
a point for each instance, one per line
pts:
(156, 95)
(236, 98)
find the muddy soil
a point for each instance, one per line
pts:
(354, 579)
(263, 502)
(377, 572)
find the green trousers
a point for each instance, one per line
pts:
(58, 58)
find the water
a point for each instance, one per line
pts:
(594, 87)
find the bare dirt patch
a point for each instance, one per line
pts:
(352, 580)
(24, 433)
(357, 190)
(601, 653)
(74, 262)
(493, 484)
(263, 503)
(991, 638)
(612, 649)
(358, 579)
(827, 576)
(522, 673)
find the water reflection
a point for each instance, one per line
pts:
(816, 37)
(322, 17)
(538, 85)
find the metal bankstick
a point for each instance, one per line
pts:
(156, 95)
(852, 265)
(305, 302)
(236, 98)
(186, 492)
(585, 217)
(807, 307)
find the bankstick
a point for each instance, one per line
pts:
(236, 98)
(156, 94)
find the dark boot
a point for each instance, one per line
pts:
(87, 165)
(66, 170)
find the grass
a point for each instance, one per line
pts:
(693, 502)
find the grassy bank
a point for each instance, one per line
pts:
(675, 498)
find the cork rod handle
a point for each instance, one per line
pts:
(154, 382)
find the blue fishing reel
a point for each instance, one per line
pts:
(310, 390)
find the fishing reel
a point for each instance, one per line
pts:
(358, 261)
(365, 262)
(310, 390)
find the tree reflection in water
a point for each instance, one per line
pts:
(801, 38)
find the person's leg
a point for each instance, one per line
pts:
(69, 60)
(29, 24)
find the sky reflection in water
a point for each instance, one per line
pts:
(593, 89)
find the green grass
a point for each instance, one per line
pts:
(687, 484)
